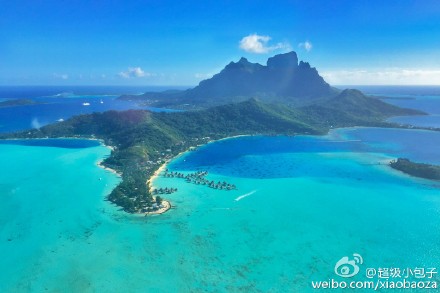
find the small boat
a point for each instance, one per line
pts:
(86, 104)
(60, 120)
(101, 102)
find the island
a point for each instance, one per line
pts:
(144, 141)
(284, 79)
(237, 103)
(421, 170)
(17, 102)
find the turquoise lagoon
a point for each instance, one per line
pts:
(302, 203)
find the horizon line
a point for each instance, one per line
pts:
(177, 85)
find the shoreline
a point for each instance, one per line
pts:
(101, 142)
(166, 203)
(100, 165)
(162, 167)
(151, 180)
(61, 137)
(156, 174)
(190, 149)
(150, 183)
(231, 137)
(166, 207)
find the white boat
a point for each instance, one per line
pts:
(102, 102)
(60, 120)
(86, 104)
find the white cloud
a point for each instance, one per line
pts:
(61, 76)
(386, 76)
(259, 44)
(307, 45)
(133, 72)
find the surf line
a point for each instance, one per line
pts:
(245, 195)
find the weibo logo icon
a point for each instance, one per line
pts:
(347, 267)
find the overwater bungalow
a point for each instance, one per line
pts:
(197, 178)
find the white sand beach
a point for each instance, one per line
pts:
(166, 206)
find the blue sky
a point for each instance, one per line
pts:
(183, 42)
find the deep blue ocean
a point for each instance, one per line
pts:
(237, 155)
(62, 102)
(424, 98)
(56, 103)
